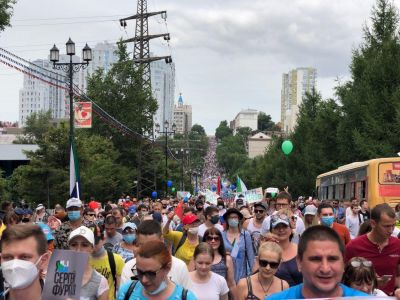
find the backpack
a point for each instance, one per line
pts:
(133, 285)
(111, 261)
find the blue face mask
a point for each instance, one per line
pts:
(74, 215)
(327, 221)
(162, 287)
(129, 238)
(233, 223)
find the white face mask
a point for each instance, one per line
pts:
(194, 230)
(18, 273)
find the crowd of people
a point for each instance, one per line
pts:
(279, 248)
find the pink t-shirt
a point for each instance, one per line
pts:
(385, 262)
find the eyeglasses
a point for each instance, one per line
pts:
(91, 215)
(264, 263)
(359, 263)
(211, 238)
(259, 211)
(151, 275)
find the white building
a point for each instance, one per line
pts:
(245, 118)
(295, 84)
(36, 95)
(182, 116)
(163, 88)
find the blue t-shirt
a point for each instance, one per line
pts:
(295, 293)
(137, 293)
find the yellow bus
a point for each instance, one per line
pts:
(375, 180)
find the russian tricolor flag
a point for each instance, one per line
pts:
(74, 180)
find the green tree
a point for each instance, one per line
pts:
(199, 129)
(6, 12)
(265, 123)
(231, 154)
(222, 130)
(370, 100)
(37, 125)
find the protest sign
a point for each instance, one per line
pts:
(254, 195)
(64, 275)
(182, 194)
(211, 197)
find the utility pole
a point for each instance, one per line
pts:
(146, 181)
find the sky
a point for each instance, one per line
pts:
(229, 55)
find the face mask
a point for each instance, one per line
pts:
(129, 238)
(233, 223)
(214, 219)
(327, 221)
(74, 215)
(19, 274)
(162, 287)
(194, 230)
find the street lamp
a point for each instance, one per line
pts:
(166, 132)
(70, 67)
(183, 152)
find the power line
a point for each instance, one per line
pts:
(66, 18)
(64, 23)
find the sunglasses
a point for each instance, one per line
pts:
(91, 215)
(276, 217)
(213, 238)
(359, 263)
(151, 275)
(264, 263)
(259, 211)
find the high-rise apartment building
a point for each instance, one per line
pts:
(37, 95)
(163, 88)
(295, 84)
(182, 116)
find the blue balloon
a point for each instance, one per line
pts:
(169, 183)
(233, 186)
(213, 188)
(154, 195)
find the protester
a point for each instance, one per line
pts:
(153, 264)
(207, 285)
(112, 236)
(41, 214)
(237, 242)
(309, 216)
(327, 218)
(263, 282)
(281, 228)
(339, 212)
(150, 230)
(211, 215)
(360, 274)
(23, 257)
(94, 285)
(353, 221)
(61, 235)
(379, 247)
(184, 242)
(89, 214)
(126, 247)
(320, 258)
(254, 225)
(108, 264)
(118, 213)
(364, 211)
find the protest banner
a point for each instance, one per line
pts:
(211, 197)
(83, 114)
(182, 194)
(64, 275)
(254, 195)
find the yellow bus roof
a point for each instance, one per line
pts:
(357, 165)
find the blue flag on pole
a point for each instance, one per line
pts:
(74, 184)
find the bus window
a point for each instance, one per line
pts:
(333, 192)
(363, 190)
(352, 190)
(341, 191)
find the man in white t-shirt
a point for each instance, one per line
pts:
(353, 221)
(212, 220)
(150, 230)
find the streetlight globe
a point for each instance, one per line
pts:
(54, 54)
(166, 124)
(173, 127)
(157, 127)
(70, 47)
(87, 53)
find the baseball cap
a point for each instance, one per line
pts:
(39, 207)
(129, 225)
(83, 232)
(132, 209)
(279, 219)
(189, 219)
(262, 205)
(28, 211)
(74, 202)
(19, 211)
(232, 211)
(310, 210)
